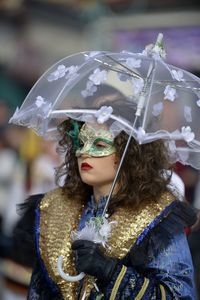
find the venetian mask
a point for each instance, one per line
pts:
(95, 141)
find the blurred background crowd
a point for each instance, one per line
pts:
(36, 33)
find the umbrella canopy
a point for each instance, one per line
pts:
(136, 92)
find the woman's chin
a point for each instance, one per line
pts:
(87, 179)
(90, 180)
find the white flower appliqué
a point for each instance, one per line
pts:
(123, 77)
(133, 63)
(95, 78)
(71, 70)
(103, 114)
(71, 74)
(170, 93)
(90, 89)
(137, 86)
(157, 109)
(98, 76)
(178, 75)
(187, 113)
(58, 73)
(61, 71)
(39, 101)
(187, 133)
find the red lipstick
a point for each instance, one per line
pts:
(85, 167)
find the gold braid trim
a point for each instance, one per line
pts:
(163, 294)
(117, 283)
(143, 289)
(59, 216)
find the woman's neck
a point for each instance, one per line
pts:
(98, 194)
(102, 191)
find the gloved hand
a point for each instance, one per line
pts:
(91, 260)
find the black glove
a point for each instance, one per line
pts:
(90, 260)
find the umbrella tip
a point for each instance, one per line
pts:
(159, 39)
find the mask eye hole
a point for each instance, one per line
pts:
(101, 144)
(81, 143)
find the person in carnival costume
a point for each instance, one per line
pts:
(115, 220)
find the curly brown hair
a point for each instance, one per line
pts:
(142, 175)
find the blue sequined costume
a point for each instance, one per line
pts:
(160, 267)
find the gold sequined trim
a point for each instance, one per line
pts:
(131, 222)
(143, 289)
(59, 216)
(117, 282)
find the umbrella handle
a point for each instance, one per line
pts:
(66, 276)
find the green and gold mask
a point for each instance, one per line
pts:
(95, 142)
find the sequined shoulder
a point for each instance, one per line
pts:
(52, 196)
(133, 224)
(58, 216)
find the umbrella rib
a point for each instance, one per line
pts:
(176, 85)
(108, 66)
(122, 65)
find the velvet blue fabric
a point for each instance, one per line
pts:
(164, 259)
(171, 266)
